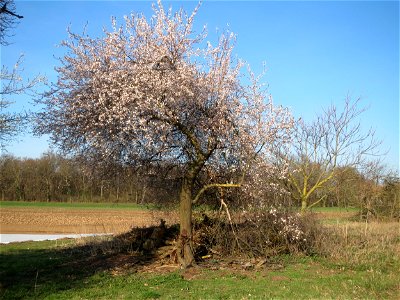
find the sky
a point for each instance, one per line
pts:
(316, 52)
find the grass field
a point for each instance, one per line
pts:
(363, 263)
(332, 210)
(53, 270)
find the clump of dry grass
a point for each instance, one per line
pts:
(362, 244)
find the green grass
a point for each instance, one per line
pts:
(335, 215)
(75, 205)
(65, 270)
(334, 209)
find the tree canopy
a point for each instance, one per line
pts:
(155, 91)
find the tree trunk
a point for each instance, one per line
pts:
(185, 243)
(117, 190)
(143, 196)
(304, 204)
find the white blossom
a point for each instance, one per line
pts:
(150, 90)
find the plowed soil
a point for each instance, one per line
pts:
(62, 220)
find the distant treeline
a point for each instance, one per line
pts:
(55, 178)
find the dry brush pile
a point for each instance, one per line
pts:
(257, 235)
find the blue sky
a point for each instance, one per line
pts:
(316, 52)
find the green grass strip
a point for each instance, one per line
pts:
(75, 205)
(60, 270)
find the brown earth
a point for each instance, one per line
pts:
(78, 221)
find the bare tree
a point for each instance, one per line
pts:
(8, 19)
(321, 148)
(11, 123)
(151, 92)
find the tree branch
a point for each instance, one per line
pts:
(4, 10)
(213, 185)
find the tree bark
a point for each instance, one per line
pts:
(185, 243)
(304, 204)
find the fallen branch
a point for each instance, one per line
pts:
(223, 204)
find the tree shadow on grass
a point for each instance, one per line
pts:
(44, 271)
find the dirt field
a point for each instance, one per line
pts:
(61, 220)
(75, 220)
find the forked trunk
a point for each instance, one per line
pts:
(185, 248)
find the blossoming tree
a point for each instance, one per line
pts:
(154, 91)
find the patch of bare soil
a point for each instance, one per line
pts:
(62, 220)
